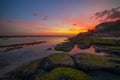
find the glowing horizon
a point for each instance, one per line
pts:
(50, 17)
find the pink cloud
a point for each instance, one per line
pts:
(27, 24)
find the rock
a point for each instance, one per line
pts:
(63, 73)
(26, 71)
(105, 42)
(101, 49)
(65, 46)
(106, 29)
(115, 52)
(83, 46)
(57, 59)
(89, 62)
(40, 67)
(60, 66)
(83, 43)
(49, 49)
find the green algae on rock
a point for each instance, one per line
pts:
(109, 42)
(64, 73)
(57, 59)
(61, 58)
(26, 70)
(91, 61)
(62, 66)
(65, 46)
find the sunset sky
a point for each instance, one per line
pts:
(51, 17)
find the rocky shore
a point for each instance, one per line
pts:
(62, 66)
(110, 46)
(81, 66)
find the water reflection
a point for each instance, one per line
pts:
(9, 60)
(90, 50)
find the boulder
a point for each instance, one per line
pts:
(89, 62)
(57, 59)
(64, 73)
(26, 71)
(65, 46)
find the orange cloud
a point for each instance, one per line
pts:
(79, 25)
(108, 15)
(28, 24)
(27, 27)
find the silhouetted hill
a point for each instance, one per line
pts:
(106, 29)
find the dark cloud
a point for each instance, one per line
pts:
(113, 13)
(11, 21)
(74, 24)
(35, 14)
(45, 18)
(38, 16)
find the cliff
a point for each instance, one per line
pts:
(106, 29)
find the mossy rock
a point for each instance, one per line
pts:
(82, 43)
(65, 46)
(64, 73)
(26, 70)
(57, 59)
(61, 58)
(115, 52)
(91, 61)
(109, 42)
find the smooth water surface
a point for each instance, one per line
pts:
(9, 60)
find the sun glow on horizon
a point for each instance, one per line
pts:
(61, 32)
(60, 17)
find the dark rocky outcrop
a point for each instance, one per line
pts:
(106, 29)
(65, 46)
(110, 46)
